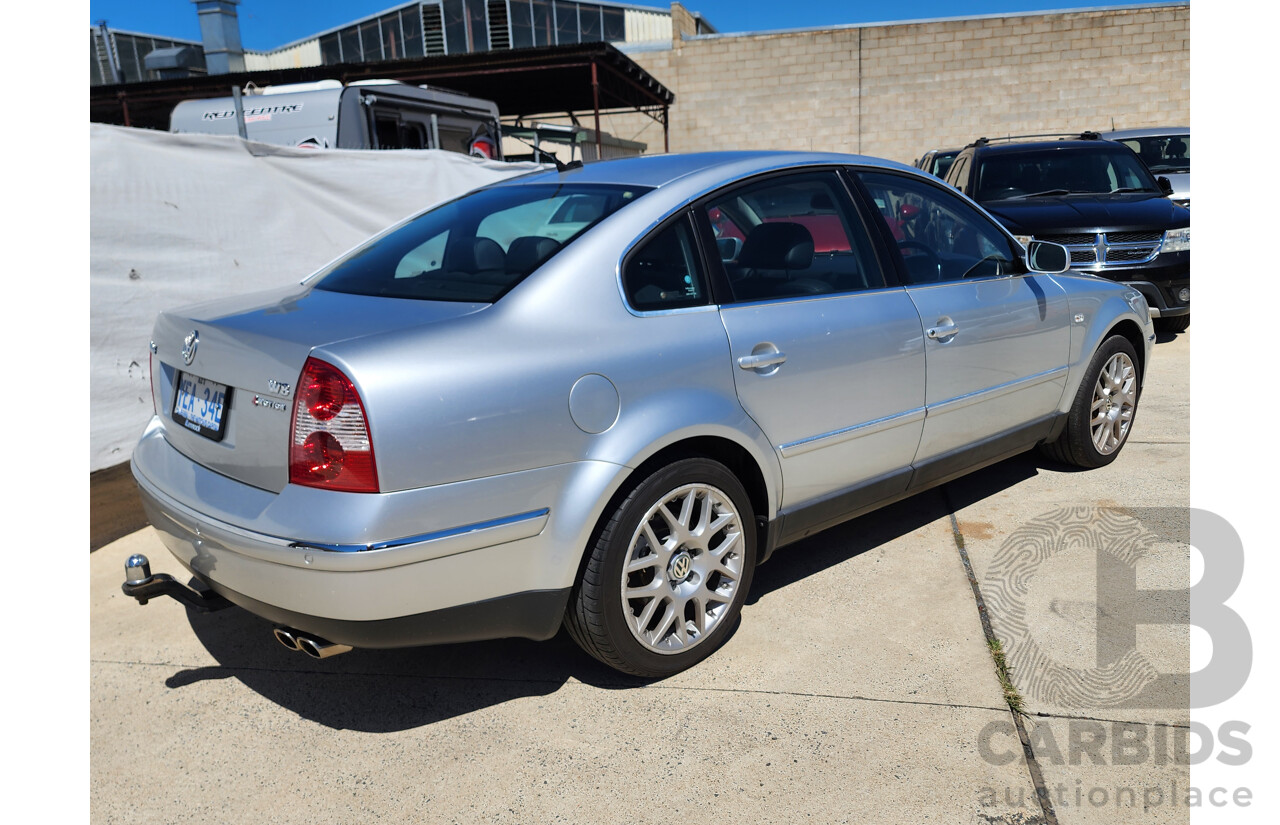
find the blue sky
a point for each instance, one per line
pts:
(265, 24)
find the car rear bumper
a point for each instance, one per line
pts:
(456, 580)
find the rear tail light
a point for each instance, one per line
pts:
(329, 445)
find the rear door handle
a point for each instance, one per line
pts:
(761, 361)
(945, 329)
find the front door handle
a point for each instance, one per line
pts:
(945, 329)
(762, 360)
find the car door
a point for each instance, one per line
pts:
(828, 359)
(997, 337)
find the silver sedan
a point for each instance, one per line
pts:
(601, 397)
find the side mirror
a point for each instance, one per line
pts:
(1165, 186)
(1046, 257)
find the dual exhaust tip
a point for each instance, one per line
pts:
(313, 646)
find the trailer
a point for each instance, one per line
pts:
(366, 114)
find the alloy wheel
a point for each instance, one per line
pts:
(1114, 400)
(683, 568)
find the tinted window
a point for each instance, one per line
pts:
(411, 26)
(665, 272)
(566, 22)
(589, 23)
(942, 163)
(960, 174)
(941, 237)
(1166, 153)
(544, 33)
(474, 248)
(329, 52)
(615, 24)
(1006, 175)
(521, 24)
(457, 33)
(792, 236)
(349, 41)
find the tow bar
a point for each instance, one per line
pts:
(140, 584)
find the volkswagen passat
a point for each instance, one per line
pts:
(601, 397)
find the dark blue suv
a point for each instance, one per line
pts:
(1098, 199)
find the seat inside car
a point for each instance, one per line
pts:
(775, 262)
(489, 255)
(527, 252)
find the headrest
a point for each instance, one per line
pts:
(527, 253)
(778, 246)
(489, 254)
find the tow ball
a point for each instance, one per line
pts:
(141, 584)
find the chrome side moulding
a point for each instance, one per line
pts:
(496, 531)
(879, 425)
(960, 402)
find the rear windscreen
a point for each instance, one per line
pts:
(478, 247)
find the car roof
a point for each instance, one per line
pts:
(1041, 145)
(661, 170)
(1150, 131)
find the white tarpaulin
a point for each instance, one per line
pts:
(176, 219)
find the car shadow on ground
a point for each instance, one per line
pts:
(380, 691)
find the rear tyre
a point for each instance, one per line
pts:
(1178, 323)
(1102, 413)
(665, 579)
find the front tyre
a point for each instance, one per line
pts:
(665, 580)
(1102, 413)
(1177, 323)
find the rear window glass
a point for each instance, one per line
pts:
(478, 247)
(1163, 153)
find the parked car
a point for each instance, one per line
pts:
(1096, 198)
(937, 161)
(465, 429)
(1167, 152)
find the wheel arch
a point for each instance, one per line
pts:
(1130, 330)
(737, 458)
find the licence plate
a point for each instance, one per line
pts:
(200, 405)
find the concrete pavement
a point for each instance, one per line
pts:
(859, 687)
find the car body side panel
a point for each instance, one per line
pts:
(1004, 366)
(460, 401)
(858, 361)
(1102, 308)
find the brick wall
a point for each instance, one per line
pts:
(896, 91)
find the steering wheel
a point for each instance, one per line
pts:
(927, 258)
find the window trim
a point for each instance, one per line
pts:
(947, 191)
(723, 291)
(711, 301)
